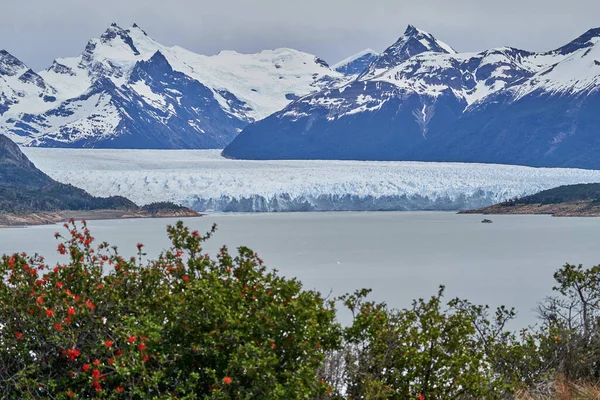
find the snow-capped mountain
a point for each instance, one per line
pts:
(127, 90)
(420, 100)
(413, 42)
(356, 64)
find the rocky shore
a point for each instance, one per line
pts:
(46, 218)
(568, 209)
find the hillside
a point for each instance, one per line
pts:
(569, 200)
(25, 190)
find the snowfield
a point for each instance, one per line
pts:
(205, 181)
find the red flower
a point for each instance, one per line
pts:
(272, 345)
(108, 343)
(142, 346)
(40, 300)
(49, 313)
(95, 374)
(111, 361)
(227, 380)
(118, 353)
(18, 335)
(85, 367)
(62, 249)
(59, 285)
(139, 246)
(71, 311)
(70, 394)
(185, 278)
(58, 327)
(72, 354)
(119, 389)
(421, 396)
(145, 358)
(90, 304)
(55, 270)
(96, 362)
(68, 320)
(131, 339)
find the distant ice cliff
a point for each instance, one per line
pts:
(205, 181)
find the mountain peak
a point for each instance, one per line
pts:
(425, 38)
(136, 26)
(411, 30)
(413, 42)
(112, 31)
(9, 64)
(115, 31)
(588, 39)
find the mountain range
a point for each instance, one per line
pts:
(418, 100)
(126, 90)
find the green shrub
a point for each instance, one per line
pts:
(184, 325)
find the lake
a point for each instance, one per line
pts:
(400, 255)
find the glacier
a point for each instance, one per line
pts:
(208, 182)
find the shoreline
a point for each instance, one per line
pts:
(23, 220)
(568, 209)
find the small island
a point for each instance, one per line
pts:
(30, 197)
(581, 200)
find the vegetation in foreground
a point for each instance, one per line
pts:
(189, 326)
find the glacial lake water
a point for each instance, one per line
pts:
(400, 255)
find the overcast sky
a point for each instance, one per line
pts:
(37, 31)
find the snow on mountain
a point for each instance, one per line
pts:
(206, 181)
(422, 101)
(357, 63)
(97, 97)
(574, 72)
(413, 42)
(18, 83)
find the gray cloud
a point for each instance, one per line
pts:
(37, 31)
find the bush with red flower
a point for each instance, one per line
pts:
(184, 325)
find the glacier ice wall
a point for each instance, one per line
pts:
(205, 181)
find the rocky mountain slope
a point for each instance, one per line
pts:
(421, 100)
(356, 64)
